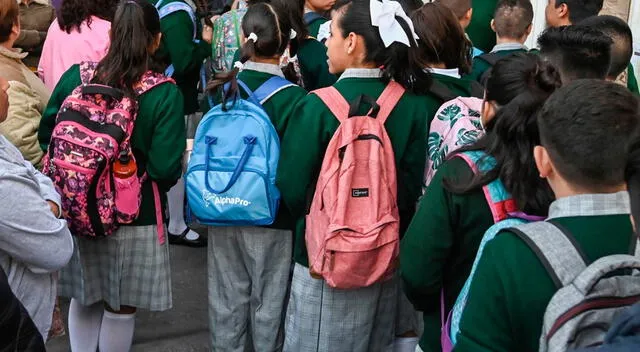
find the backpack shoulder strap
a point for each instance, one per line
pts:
(310, 17)
(270, 88)
(490, 58)
(498, 198)
(87, 71)
(389, 99)
(556, 248)
(441, 91)
(336, 103)
(151, 80)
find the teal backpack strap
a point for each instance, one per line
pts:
(271, 87)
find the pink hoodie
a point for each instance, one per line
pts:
(62, 50)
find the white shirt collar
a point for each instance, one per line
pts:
(450, 72)
(361, 73)
(262, 67)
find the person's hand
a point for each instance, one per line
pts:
(207, 33)
(54, 209)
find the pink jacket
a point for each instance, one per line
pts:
(62, 50)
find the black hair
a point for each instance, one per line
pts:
(620, 33)
(577, 51)
(409, 6)
(398, 61)
(581, 9)
(588, 128)
(519, 84)
(273, 29)
(133, 31)
(512, 18)
(294, 12)
(74, 12)
(442, 40)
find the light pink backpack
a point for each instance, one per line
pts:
(353, 226)
(456, 124)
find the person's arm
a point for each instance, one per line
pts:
(68, 82)
(485, 324)
(29, 232)
(164, 164)
(185, 55)
(29, 38)
(427, 243)
(47, 190)
(301, 151)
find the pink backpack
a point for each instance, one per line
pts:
(93, 127)
(353, 226)
(456, 124)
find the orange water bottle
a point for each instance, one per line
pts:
(124, 166)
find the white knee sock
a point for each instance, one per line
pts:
(175, 200)
(116, 333)
(405, 344)
(84, 326)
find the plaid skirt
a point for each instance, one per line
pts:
(128, 268)
(324, 319)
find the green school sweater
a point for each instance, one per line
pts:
(632, 81)
(459, 86)
(480, 66)
(314, 27)
(310, 130)
(480, 32)
(157, 140)
(313, 65)
(440, 246)
(511, 288)
(280, 109)
(186, 56)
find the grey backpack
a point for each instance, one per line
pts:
(590, 295)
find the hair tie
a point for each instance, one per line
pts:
(239, 65)
(293, 34)
(383, 16)
(253, 37)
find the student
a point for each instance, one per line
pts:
(80, 33)
(439, 248)
(512, 23)
(310, 53)
(355, 320)
(249, 267)
(28, 95)
(622, 48)
(445, 53)
(567, 12)
(511, 288)
(109, 278)
(35, 18)
(34, 241)
(185, 45)
(577, 51)
(464, 12)
(314, 14)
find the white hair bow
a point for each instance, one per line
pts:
(383, 16)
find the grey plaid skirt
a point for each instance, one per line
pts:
(128, 268)
(324, 319)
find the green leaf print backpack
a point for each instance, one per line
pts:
(456, 124)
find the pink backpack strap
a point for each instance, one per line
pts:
(151, 80)
(389, 99)
(87, 70)
(336, 103)
(159, 217)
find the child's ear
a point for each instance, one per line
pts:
(543, 162)
(528, 31)
(493, 25)
(468, 15)
(563, 11)
(488, 112)
(351, 44)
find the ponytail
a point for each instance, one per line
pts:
(519, 85)
(133, 31)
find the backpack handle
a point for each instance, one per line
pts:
(250, 141)
(93, 89)
(601, 267)
(354, 107)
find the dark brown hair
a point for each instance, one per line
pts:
(9, 16)
(442, 40)
(512, 18)
(459, 7)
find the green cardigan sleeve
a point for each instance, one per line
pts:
(185, 55)
(68, 82)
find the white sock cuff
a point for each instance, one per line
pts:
(116, 316)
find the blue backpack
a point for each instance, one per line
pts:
(231, 177)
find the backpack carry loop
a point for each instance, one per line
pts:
(250, 141)
(362, 98)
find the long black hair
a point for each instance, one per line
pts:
(442, 40)
(74, 12)
(519, 85)
(133, 32)
(273, 29)
(398, 61)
